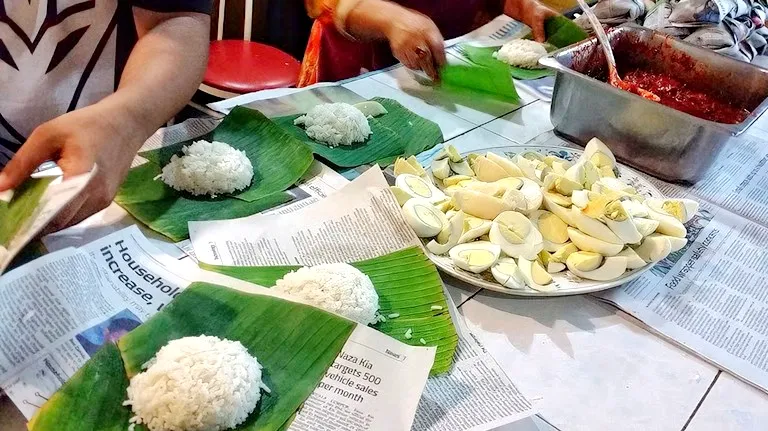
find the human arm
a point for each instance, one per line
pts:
(414, 39)
(163, 71)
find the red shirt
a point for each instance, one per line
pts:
(331, 56)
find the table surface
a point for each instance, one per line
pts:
(584, 364)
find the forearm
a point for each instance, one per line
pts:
(413, 37)
(372, 19)
(513, 8)
(163, 71)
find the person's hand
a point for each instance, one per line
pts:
(416, 42)
(76, 141)
(532, 13)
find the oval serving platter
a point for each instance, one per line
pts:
(567, 283)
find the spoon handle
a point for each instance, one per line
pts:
(613, 75)
(601, 36)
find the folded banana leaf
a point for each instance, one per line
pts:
(15, 213)
(560, 31)
(167, 211)
(491, 79)
(407, 283)
(399, 132)
(278, 161)
(295, 343)
(484, 55)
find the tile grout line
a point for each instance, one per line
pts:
(701, 401)
(480, 126)
(510, 140)
(469, 297)
(543, 419)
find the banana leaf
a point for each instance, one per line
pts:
(22, 206)
(407, 284)
(483, 55)
(91, 400)
(560, 31)
(278, 161)
(399, 132)
(295, 343)
(167, 211)
(491, 79)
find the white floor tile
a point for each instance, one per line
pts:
(524, 124)
(732, 405)
(460, 291)
(585, 366)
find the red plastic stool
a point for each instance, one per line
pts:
(242, 66)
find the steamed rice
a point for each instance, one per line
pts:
(521, 53)
(336, 287)
(335, 124)
(208, 168)
(196, 384)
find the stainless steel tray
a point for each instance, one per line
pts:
(651, 137)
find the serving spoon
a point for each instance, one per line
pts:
(613, 75)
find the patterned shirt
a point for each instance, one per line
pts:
(60, 55)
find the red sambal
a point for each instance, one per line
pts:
(680, 96)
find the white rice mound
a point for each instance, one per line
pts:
(521, 53)
(335, 124)
(336, 287)
(208, 168)
(196, 384)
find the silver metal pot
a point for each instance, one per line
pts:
(654, 138)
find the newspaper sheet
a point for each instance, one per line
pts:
(368, 375)
(289, 101)
(499, 30)
(59, 310)
(80, 299)
(56, 197)
(318, 182)
(737, 180)
(358, 222)
(711, 297)
(476, 395)
(361, 222)
(186, 130)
